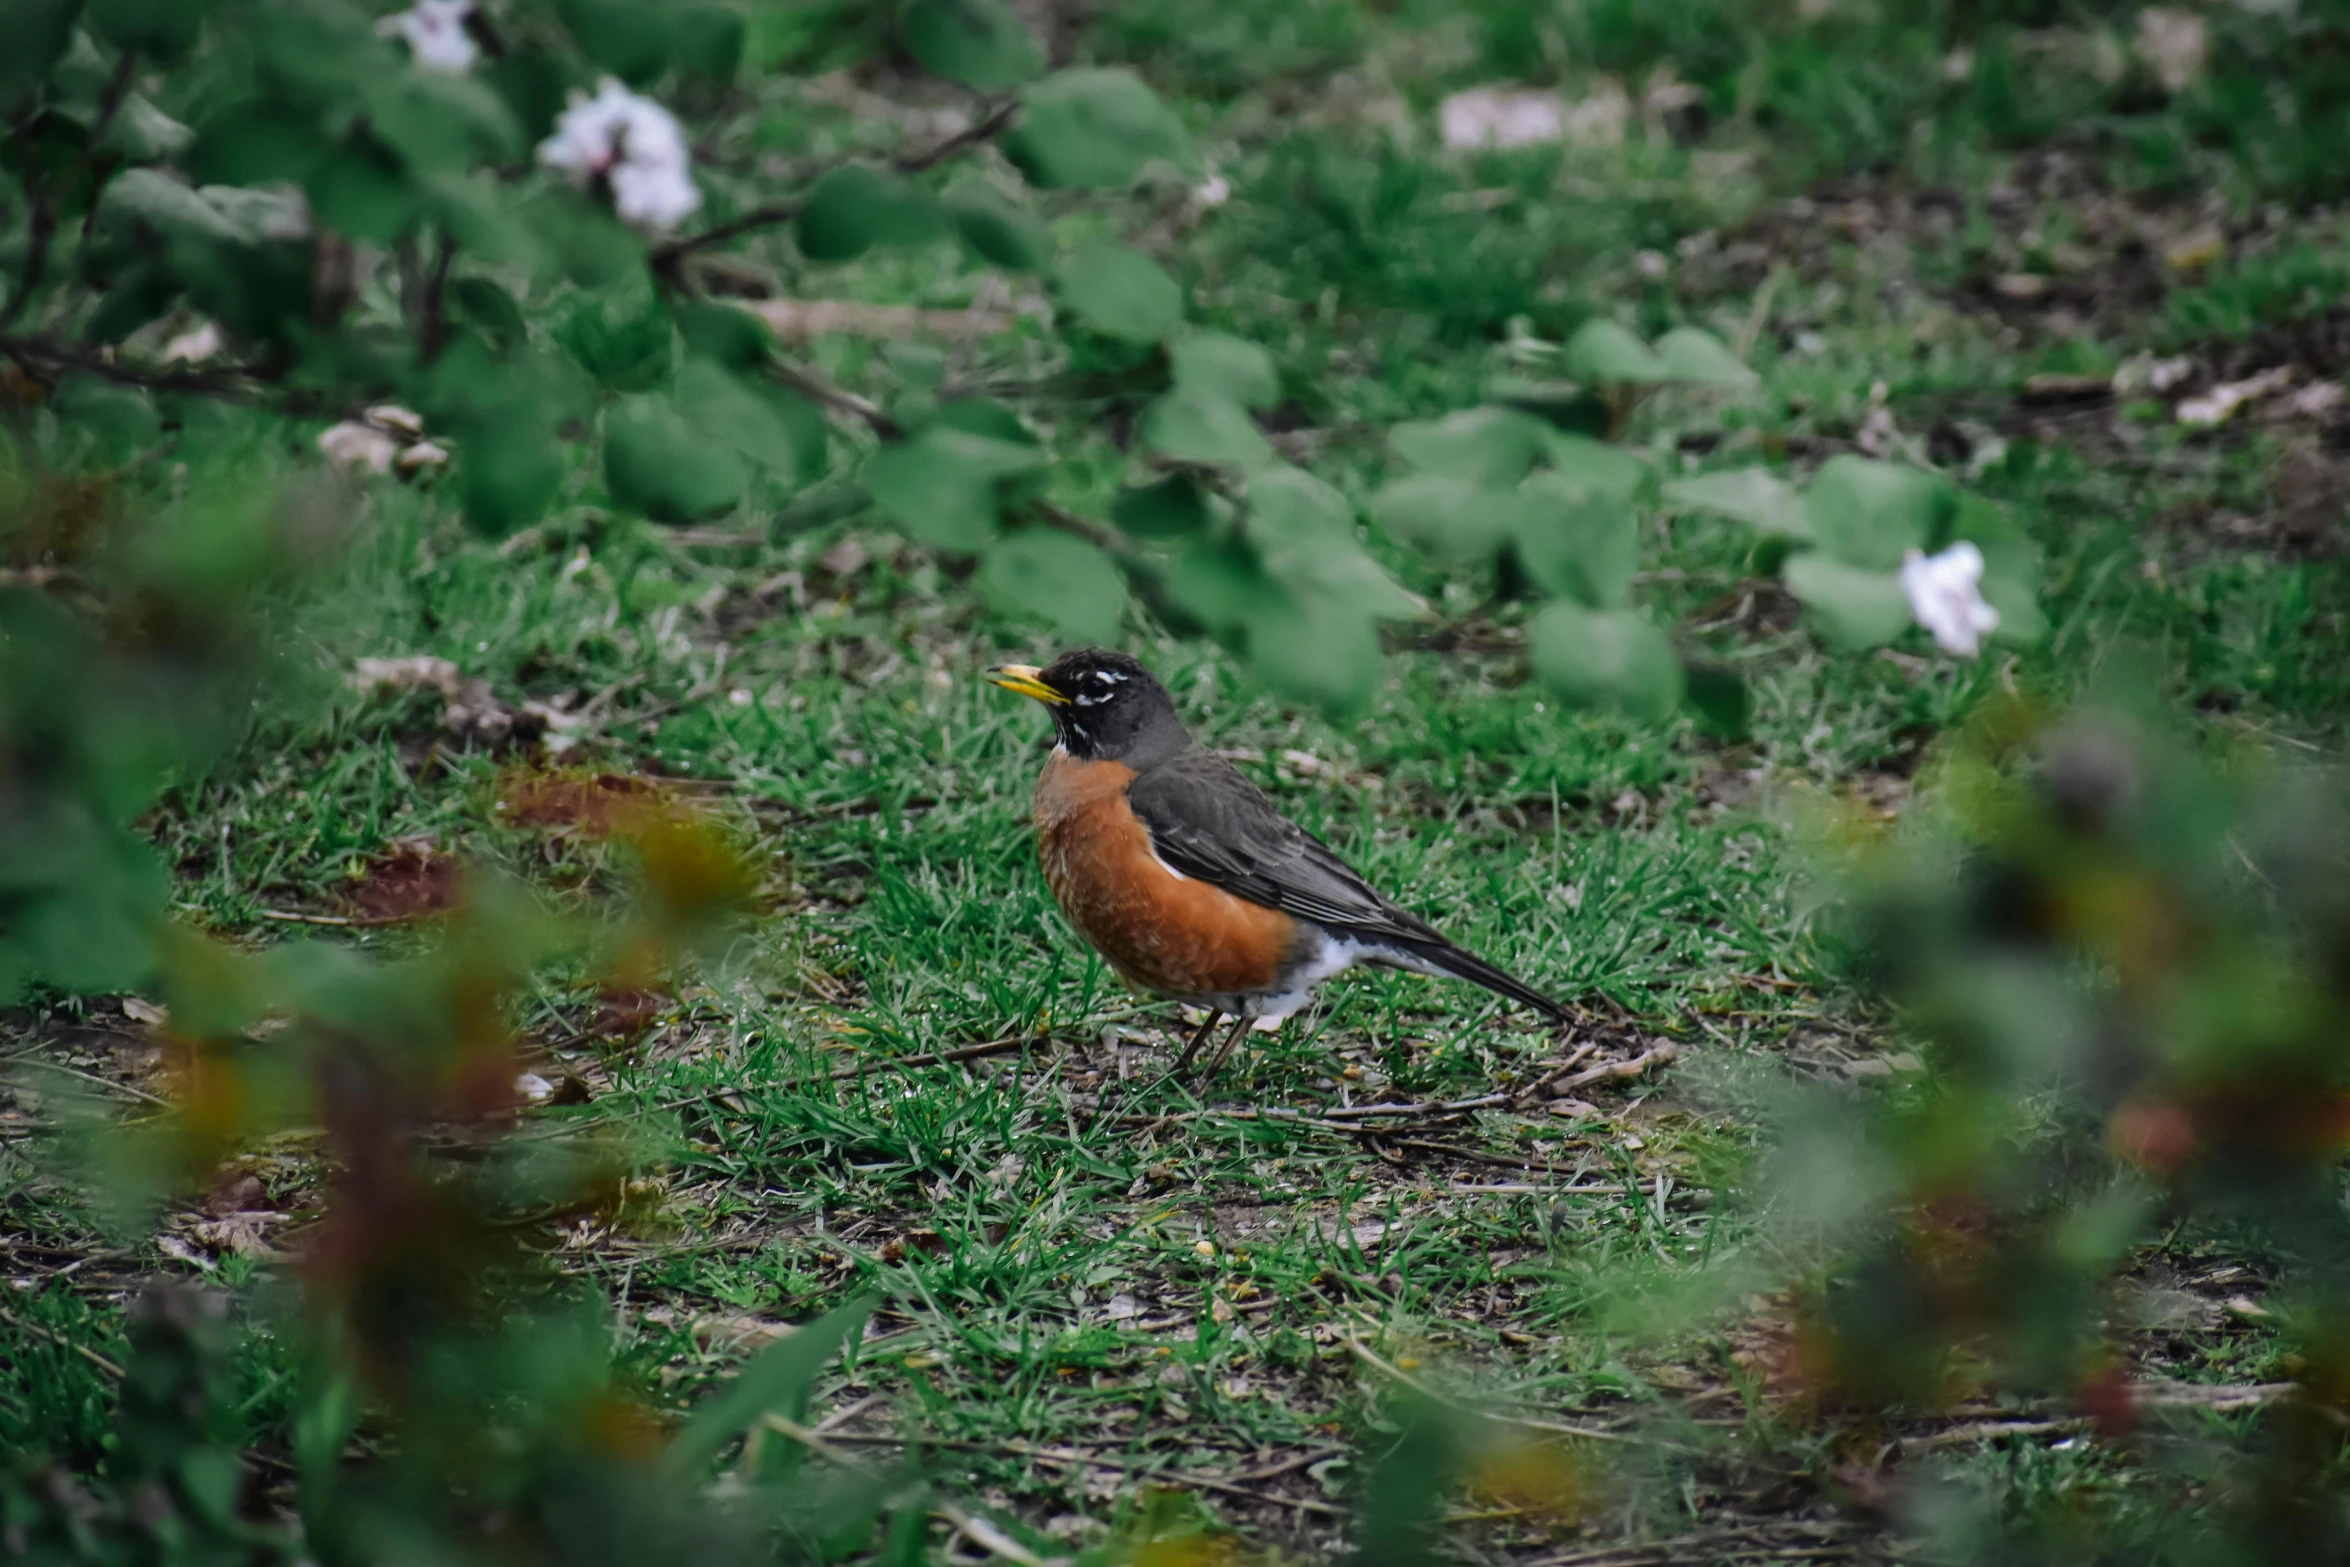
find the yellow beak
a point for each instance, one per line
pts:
(1023, 679)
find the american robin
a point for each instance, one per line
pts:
(1186, 878)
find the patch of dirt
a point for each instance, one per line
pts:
(411, 881)
(595, 805)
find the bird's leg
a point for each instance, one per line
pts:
(1239, 1027)
(1198, 1037)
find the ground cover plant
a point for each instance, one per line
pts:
(1812, 532)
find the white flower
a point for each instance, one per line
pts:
(1501, 117)
(435, 30)
(1213, 191)
(634, 146)
(1945, 595)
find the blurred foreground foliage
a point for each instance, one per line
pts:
(458, 1396)
(2125, 966)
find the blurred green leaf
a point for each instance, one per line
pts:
(1289, 503)
(998, 232)
(1451, 519)
(361, 189)
(163, 30)
(1200, 427)
(659, 462)
(1719, 699)
(436, 120)
(778, 1381)
(1094, 128)
(1059, 579)
(1595, 467)
(1171, 508)
(710, 40)
(255, 142)
(1867, 514)
(1488, 445)
(1754, 496)
(1581, 544)
(1603, 353)
(856, 207)
(1698, 357)
(765, 425)
(590, 246)
(626, 37)
(509, 471)
(33, 38)
(1120, 292)
(2022, 623)
(727, 334)
(1605, 658)
(1228, 367)
(1320, 648)
(979, 43)
(2010, 555)
(1221, 584)
(1858, 608)
(944, 485)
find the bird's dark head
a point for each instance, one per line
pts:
(1106, 705)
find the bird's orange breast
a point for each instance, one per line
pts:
(1161, 930)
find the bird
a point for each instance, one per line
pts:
(1187, 879)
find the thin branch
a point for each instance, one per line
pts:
(776, 214)
(36, 261)
(432, 320)
(69, 356)
(982, 129)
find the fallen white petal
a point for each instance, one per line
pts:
(1944, 593)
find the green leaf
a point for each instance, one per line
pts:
(594, 249)
(1858, 609)
(123, 418)
(856, 207)
(778, 1381)
(1487, 445)
(1696, 356)
(727, 334)
(1754, 496)
(1563, 405)
(1605, 658)
(1230, 367)
(1868, 514)
(1061, 580)
(659, 463)
(361, 189)
(1451, 519)
(944, 485)
(1121, 293)
(438, 121)
(508, 473)
(1094, 129)
(33, 38)
(1603, 353)
(1719, 698)
(256, 142)
(979, 43)
(1595, 467)
(765, 426)
(1169, 509)
(1321, 649)
(1288, 504)
(2009, 553)
(630, 39)
(1200, 427)
(2022, 623)
(998, 232)
(1577, 543)
(710, 40)
(1220, 584)
(161, 29)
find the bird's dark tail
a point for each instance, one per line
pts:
(1442, 957)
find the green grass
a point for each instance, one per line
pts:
(1073, 1251)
